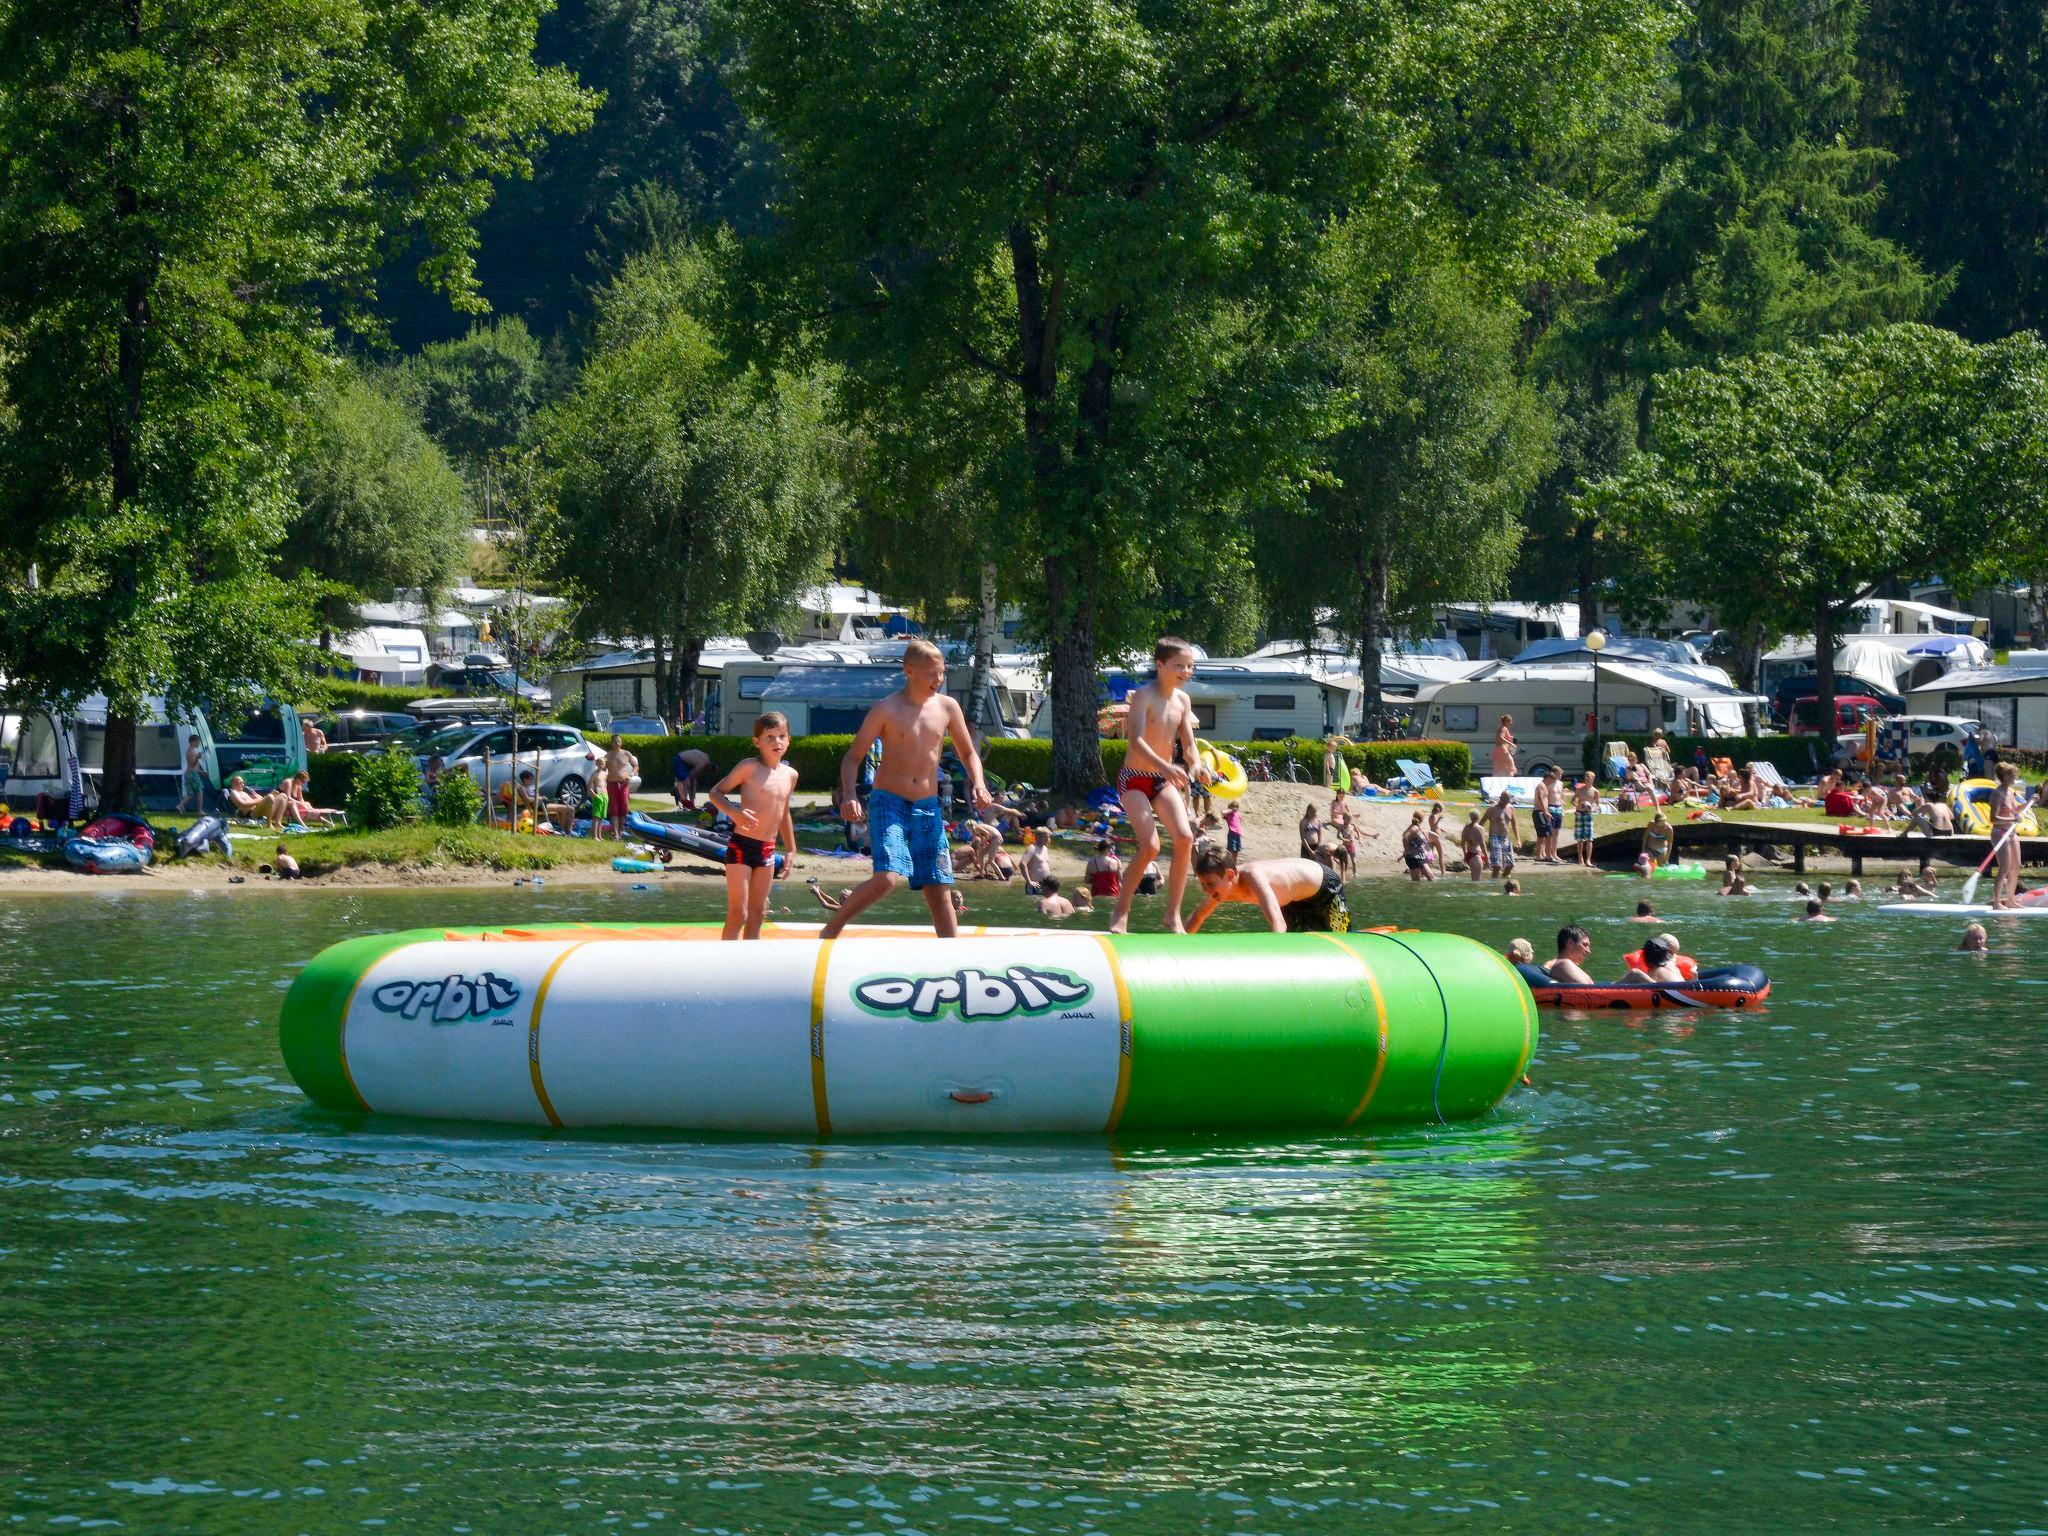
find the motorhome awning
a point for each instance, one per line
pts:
(1685, 685)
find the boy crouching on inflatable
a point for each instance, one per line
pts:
(1297, 895)
(1151, 783)
(765, 784)
(907, 833)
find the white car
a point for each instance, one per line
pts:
(564, 761)
(1925, 734)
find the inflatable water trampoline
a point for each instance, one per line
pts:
(889, 1030)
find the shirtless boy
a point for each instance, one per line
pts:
(1296, 895)
(619, 768)
(1547, 815)
(1585, 801)
(1151, 783)
(765, 783)
(908, 833)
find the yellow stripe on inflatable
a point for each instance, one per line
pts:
(1123, 1015)
(1379, 1005)
(540, 1001)
(341, 1042)
(820, 1105)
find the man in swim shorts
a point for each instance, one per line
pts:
(1296, 895)
(1501, 834)
(906, 827)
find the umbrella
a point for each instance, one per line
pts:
(1940, 645)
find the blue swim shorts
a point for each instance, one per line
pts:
(909, 838)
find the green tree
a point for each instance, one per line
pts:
(1957, 90)
(695, 495)
(1421, 487)
(1786, 488)
(377, 503)
(176, 183)
(1111, 213)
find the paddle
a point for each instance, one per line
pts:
(1970, 885)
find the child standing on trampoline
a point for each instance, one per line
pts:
(1151, 783)
(765, 783)
(907, 832)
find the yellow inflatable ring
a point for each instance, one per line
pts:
(1226, 774)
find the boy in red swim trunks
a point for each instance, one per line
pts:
(1152, 783)
(765, 784)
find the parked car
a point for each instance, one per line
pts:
(1803, 685)
(1852, 710)
(1928, 734)
(363, 730)
(564, 760)
(488, 681)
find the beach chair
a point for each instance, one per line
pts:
(1614, 764)
(1419, 777)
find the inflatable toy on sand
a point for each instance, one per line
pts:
(890, 1030)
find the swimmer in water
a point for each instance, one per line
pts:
(1975, 940)
(1645, 913)
(1815, 912)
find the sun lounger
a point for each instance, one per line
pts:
(1417, 776)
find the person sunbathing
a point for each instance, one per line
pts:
(291, 799)
(246, 803)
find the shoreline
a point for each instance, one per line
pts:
(1272, 813)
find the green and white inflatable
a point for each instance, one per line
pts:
(890, 1030)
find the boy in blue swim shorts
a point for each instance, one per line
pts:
(907, 831)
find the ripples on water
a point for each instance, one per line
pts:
(1713, 1272)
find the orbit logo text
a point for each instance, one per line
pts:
(974, 996)
(449, 1000)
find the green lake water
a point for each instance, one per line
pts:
(1780, 1270)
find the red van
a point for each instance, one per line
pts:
(1851, 711)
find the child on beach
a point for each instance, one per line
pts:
(1472, 844)
(909, 833)
(1585, 801)
(1233, 828)
(1296, 895)
(765, 783)
(1151, 783)
(287, 866)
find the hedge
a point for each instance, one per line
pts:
(336, 694)
(1029, 760)
(331, 776)
(1794, 756)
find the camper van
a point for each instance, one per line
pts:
(1246, 701)
(1551, 709)
(832, 698)
(42, 749)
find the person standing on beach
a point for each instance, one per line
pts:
(1545, 814)
(1585, 801)
(1151, 783)
(1501, 833)
(908, 835)
(193, 785)
(619, 768)
(1504, 749)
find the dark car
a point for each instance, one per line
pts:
(1805, 685)
(488, 682)
(362, 730)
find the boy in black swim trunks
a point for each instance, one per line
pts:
(765, 784)
(1161, 728)
(1296, 895)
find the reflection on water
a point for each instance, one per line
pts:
(1710, 1273)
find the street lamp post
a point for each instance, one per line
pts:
(1596, 642)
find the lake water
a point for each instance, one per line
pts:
(1713, 1272)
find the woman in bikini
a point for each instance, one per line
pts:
(1504, 749)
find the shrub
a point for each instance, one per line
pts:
(386, 789)
(457, 800)
(332, 776)
(333, 694)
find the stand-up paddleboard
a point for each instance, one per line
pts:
(889, 1030)
(1965, 909)
(668, 837)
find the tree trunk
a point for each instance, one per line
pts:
(1587, 583)
(2037, 609)
(984, 652)
(1076, 742)
(1749, 661)
(1376, 579)
(683, 675)
(1824, 680)
(117, 766)
(662, 696)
